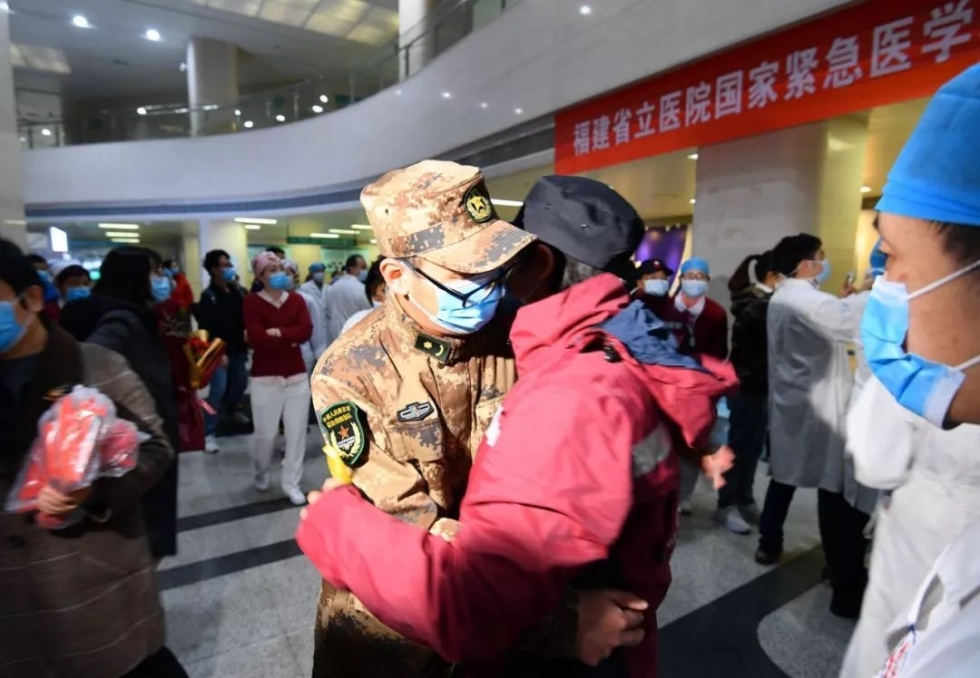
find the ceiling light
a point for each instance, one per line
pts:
(141, 110)
(324, 235)
(447, 95)
(4, 7)
(317, 108)
(59, 239)
(361, 227)
(80, 21)
(248, 124)
(46, 132)
(500, 202)
(252, 227)
(374, 241)
(121, 234)
(324, 98)
(865, 189)
(126, 241)
(119, 227)
(153, 34)
(281, 118)
(518, 111)
(484, 105)
(693, 201)
(255, 220)
(693, 156)
(238, 112)
(585, 10)
(342, 231)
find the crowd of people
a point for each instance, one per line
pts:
(482, 523)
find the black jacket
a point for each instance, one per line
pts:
(749, 349)
(133, 333)
(220, 313)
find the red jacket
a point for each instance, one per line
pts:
(710, 329)
(277, 356)
(577, 468)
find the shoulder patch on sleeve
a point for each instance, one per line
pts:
(342, 428)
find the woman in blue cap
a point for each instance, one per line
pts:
(921, 335)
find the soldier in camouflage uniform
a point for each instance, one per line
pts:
(405, 397)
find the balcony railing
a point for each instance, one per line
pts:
(447, 24)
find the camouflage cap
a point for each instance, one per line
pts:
(441, 212)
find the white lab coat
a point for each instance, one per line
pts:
(346, 298)
(864, 499)
(935, 475)
(319, 295)
(809, 384)
(313, 348)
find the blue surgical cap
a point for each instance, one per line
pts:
(695, 264)
(937, 174)
(316, 267)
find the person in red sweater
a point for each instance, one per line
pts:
(277, 324)
(706, 333)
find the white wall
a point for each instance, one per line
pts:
(540, 56)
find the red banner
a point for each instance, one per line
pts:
(876, 53)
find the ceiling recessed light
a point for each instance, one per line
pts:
(585, 10)
(693, 201)
(153, 34)
(80, 21)
(374, 241)
(317, 108)
(119, 227)
(255, 220)
(248, 124)
(484, 104)
(252, 227)
(4, 7)
(518, 111)
(46, 132)
(141, 110)
(324, 98)
(500, 202)
(447, 95)
(865, 189)
(693, 156)
(121, 234)
(324, 235)
(280, 118)
(361, 227)
(342, 231)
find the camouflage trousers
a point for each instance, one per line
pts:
(352, 643)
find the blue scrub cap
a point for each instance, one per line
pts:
(315, 267)
(937, 174)
(695, 264)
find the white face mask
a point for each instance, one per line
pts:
(656, 287)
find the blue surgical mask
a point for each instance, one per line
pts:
(695, 289)
(281, 281)
(824, 272)
(11, 331)
(656, 287)
(50, 291)
(160, 288)
(919, 385)
(318, 277)
(167, 272)
(76, 293)
(228, 274)
(480, 308)
(362, 276)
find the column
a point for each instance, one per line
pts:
(12, 224)
(415, 41)
(752, 192)
(190, 262)
(224, 235)
(212, 80)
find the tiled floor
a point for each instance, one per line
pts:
(243, 602)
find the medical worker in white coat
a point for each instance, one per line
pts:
(914, 425)
(317, 289)
(809, 387)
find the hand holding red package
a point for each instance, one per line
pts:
(79, 439)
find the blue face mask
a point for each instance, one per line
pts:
(919, 385)
(824, 273)
(656, 287)
(362, 276)
(76, 293)
(695, 289)
(228, 274)
(167, 272)
(50, 291)
(160, 288)
(318, 277)
(11, 331)
(281, 281)
(479, 308)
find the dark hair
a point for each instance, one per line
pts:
(278, 251)
(213, 259)
(354, 261)
(569, 271)
(169, 263)
(793, 250)
(960, 242)
(125, 274)
(71, 272)
(740, 278)
(16, 268)
(374, 278)
(36, 259)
